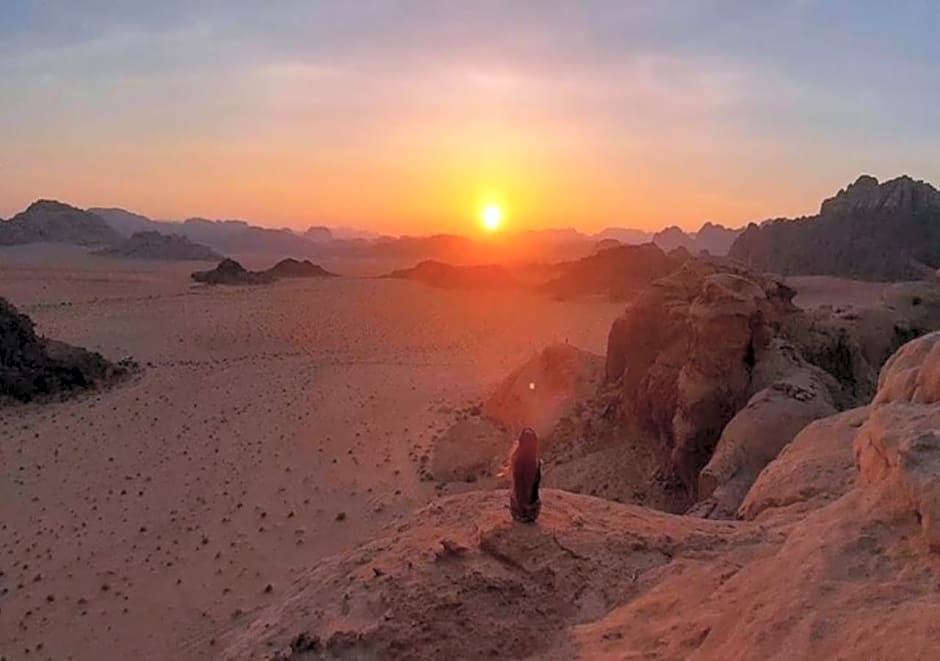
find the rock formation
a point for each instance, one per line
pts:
(712, 371)
(292, 268)
(439, 274)
(48, 220)
(820, 539)
(617, 273)
(544, 389)
(33, 367)
(230, 272)
(154, 245)
(887, 231)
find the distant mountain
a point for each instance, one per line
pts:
(625, 235)
(48, 220)
(711, 238)
(126, 222)
(318, 234)
(715, 239)
(154, 245)
(225, 236)
(868, 230)
(673, 237)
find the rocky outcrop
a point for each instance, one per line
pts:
(898, 448)
(48, 220)
(840, 562)
(690, 352)
(887, 231)
(293, 268)
(230, 272)
(544, 389)
(33, 367)
(756, 435)
(154, 245)
(617, 273)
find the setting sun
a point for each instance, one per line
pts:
(492, 217)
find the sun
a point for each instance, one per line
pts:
(491, 216)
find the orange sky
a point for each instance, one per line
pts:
(402, 117)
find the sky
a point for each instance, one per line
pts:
(406, 117)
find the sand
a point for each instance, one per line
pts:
(270, 427)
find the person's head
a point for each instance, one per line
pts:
(528, 440)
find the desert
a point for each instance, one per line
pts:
(397, 330)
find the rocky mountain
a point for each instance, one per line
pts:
(154, 245)
(230, 272)
(49, 220)
(711, 238)
(33, 367)
(715, 239)
(292, 268)
(869, 230)
(617, 272)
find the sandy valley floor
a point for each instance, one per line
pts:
(270, 426)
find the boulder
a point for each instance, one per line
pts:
(756, 435)
(33, 367)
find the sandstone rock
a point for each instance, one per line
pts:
(756, 435)
(815, 468)
(686, 351)
(898, 447)
(547, 387)
(470, 449)
(912, 374)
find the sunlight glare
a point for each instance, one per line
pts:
(492, 217)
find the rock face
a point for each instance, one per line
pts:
(230, 272)
(839, 563)
(692, 349)
(887, 231)
(617, 273)
(48, 220)
(33, 367)
(292, 268)
(153, 245)
(898, 448)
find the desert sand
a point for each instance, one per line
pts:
(269, 428)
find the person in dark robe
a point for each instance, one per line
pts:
(525, 471)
